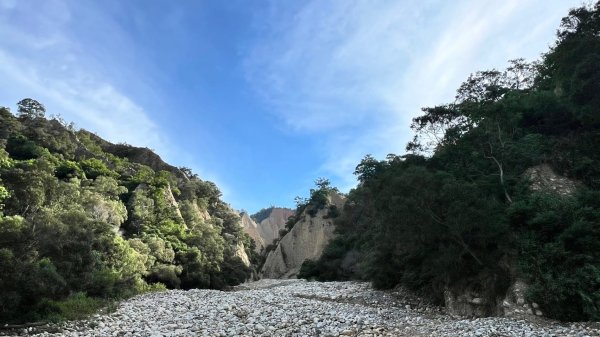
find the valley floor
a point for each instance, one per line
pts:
(297, 308)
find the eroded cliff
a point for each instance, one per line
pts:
(306, 240)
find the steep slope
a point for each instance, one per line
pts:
(140, 155)
(253, 230)
(305, 241)
(274, 223)
(80, 215)
(265, 228)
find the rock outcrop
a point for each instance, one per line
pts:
(469, 303)
(306, 241)
(252, 229)
(240, 251)
(270, 226)
(543, 178)
(515, 304)
(267, 230)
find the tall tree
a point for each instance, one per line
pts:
(30, 108)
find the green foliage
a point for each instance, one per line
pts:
(4, 194)
(430, 229)
(142, 175)
(195, 272)
(68, 170)
(30, 108)
(76, 307)
(291, 221)
(338, 262)
(94, 168)
(5, 161)
(8, 124)
(25, 284)
(262, 214)
(332, 212)
(21, 148)
(319, 197)
(560, 244)
(166, 274)
(233, 272)
(459, 211)
(85, 138)
(318, 200)
(80, 226)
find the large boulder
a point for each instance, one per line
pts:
(515, 303)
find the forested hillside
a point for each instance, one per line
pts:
(82, 220)
(465, 209)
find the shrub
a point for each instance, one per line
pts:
(21, 148)
(94, 167)
(560, 243)
(68, 170)
(75, 307)
(282, 232)
(332, 212)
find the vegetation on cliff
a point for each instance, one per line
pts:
(83, 218)
(317, 200)
(459, 210)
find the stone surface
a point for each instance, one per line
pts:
(515, 304)
(307, 240)
(468, 303)
(265, 232)
(252, 229)
(270, 227)
(297, 308)
(240, 251)
(543, 178)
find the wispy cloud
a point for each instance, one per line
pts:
(99, 64)
(41, 56)
(354, 73)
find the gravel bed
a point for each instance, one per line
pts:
(296, 308)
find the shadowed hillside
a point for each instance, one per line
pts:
(496, 208)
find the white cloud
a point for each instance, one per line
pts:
(355, 73)
(41, 58)
(314, 68)
(81, 63)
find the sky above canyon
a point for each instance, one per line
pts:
(261, 97)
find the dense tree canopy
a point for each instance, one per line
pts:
(78, 222)
(462, 210)
(30, 108)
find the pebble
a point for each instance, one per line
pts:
(297, 308)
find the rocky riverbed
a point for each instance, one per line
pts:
(297, 308)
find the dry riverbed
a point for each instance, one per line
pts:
(296, 308)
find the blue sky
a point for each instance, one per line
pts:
(261, 97)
